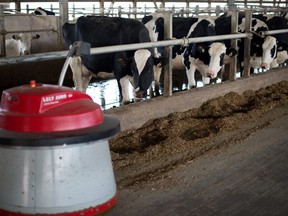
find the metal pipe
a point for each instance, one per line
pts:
(173, 42)
(63, 71)
(33, 58)
(28, 31)
(271, 32)
(124, 47)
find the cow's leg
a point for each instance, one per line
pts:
(81, 76)
(191, 76)
(157, 74)
(206, 80)
(124, 89)
(75, 65)
(86, 77)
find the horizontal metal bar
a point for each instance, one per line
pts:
(33, 58)
(272, 32)
(116, 48)
(171, 42)
(28, 31)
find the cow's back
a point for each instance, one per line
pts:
(106, 31)
(278, 22)
(102, 31)
(182, 25)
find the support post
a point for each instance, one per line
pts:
(2, 31)
(18, 5)
(234, 30)
(64, 16)
(102, 8)
(168, 54)
(63, 6)
(247, 43)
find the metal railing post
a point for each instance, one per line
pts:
(234, 30)
(2, 31)
(168, 54)
(247, 43)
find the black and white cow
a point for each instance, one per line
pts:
(276, 23)
(19, 44)
(263, 49)
(43, 12)
(136, 65)
(155, 25)
(206, 57)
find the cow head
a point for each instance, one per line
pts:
(142, 71)
(263, 49)
(263, 52)
(208, 58)
(24, 40)
(269, 51)
(138, 71)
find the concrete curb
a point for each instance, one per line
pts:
(135, 115)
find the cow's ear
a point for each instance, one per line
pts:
(282, 47)
(231, 52)
(37, 36)
(201, 48)
(16, 37)
(124, 62)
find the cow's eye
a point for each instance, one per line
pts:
(222, 55)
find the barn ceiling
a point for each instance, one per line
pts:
(260, 2)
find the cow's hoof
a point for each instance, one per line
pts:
(138, 99)
(125, 102)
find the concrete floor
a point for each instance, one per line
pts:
(248, 178)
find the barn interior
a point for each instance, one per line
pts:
(152, 166)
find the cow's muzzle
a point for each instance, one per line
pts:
(211, 74)
(264, 66)
(139, 93)
(25, 52)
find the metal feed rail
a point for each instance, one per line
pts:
(124, 47)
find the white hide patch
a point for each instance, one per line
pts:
(192, 28)
(125, 82)
(141, 57)
(267, 46)
(151, 26)
(282, 56)
(255, 62)
(13, 48)
(177, 62)
(215, 51)
(42, 12)
(259, 24)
